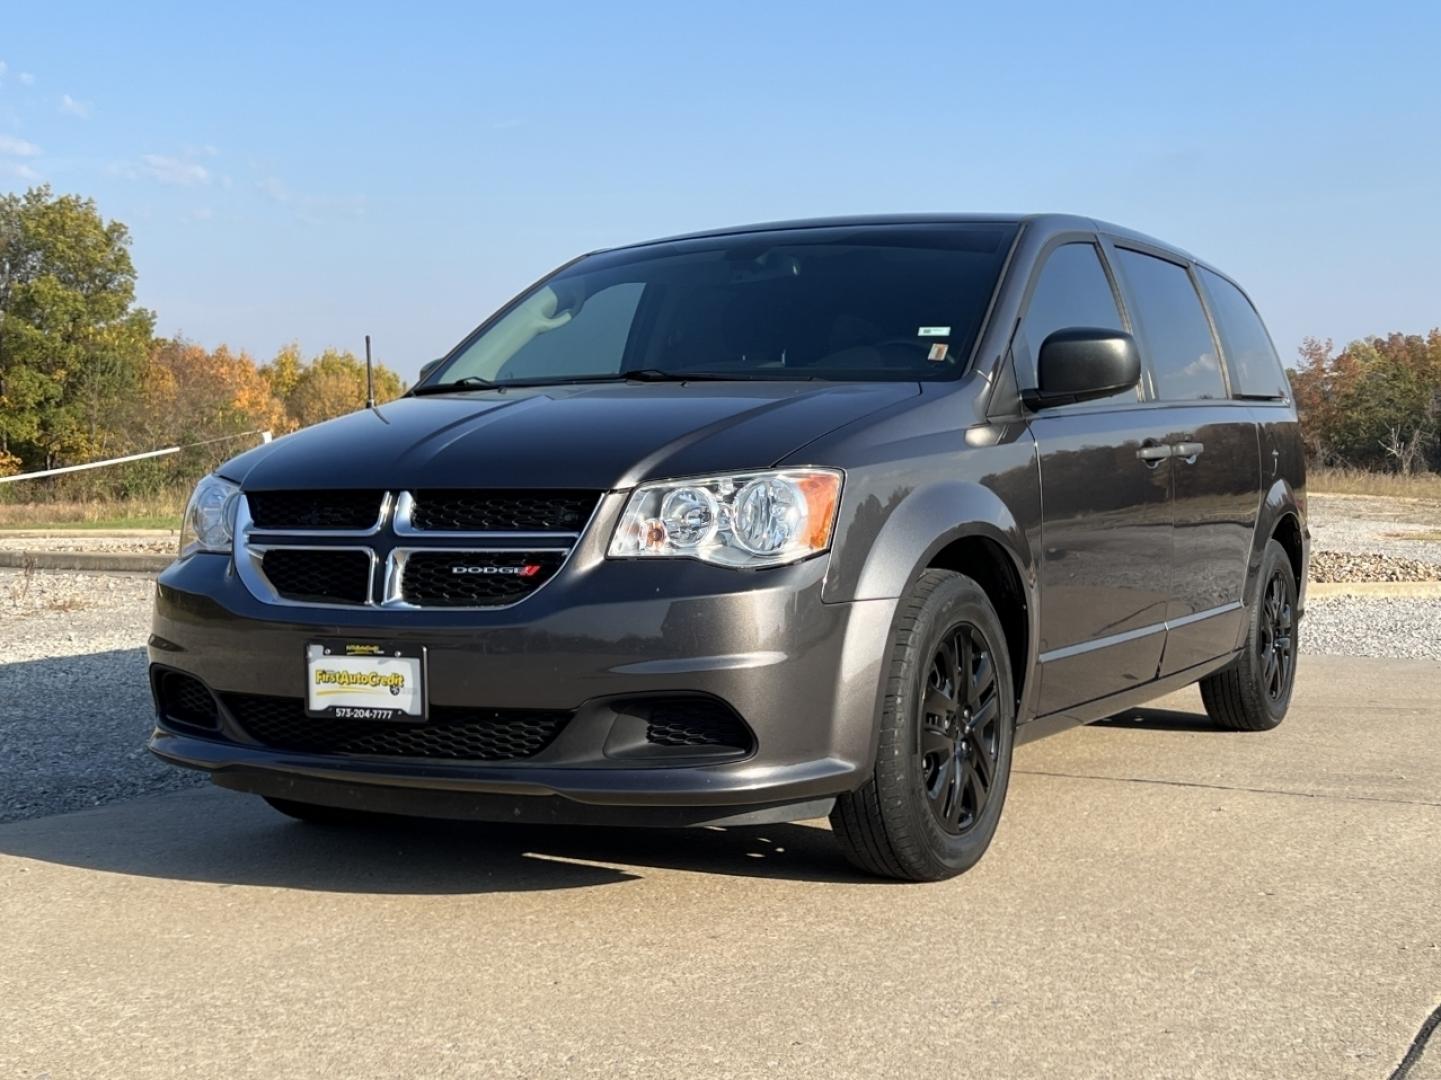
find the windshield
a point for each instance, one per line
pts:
(860, 303)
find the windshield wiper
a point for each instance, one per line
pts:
(650, 374)
(469, 382)
(475, 382)
(758, 375)
(641, 375)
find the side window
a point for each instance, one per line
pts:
(1073, 290)
(1250, 357)
(1173, 326)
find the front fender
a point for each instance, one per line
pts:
(887, 544)
(900, 541)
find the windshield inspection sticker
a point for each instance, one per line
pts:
(934, 331)
(938, 353)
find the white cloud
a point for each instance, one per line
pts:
(70, 107)
(18, 147)
(200, 213)
(312, 209)
(26, 79)
(274, 188)
(170, 170)
(19, 170)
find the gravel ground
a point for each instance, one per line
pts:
(1350, 568)
(1365, 524)
(74, 703)
(1368, 538)
(1374, 626)
(149, 543)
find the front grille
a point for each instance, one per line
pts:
(450, 734)
(502, 511)
(185, 700)
(314, 510)
(693, 722)
(475, 578)
(319, 575)
(413, 558)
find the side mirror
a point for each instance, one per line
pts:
(426, 369)
(1083, 363)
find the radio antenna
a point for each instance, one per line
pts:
(369, 377)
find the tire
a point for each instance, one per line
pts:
(317, 814)
(921, 817)
(1254, 691)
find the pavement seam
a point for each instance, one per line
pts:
(1418, 1045)
(1230, 787)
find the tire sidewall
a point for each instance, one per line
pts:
(959, 600)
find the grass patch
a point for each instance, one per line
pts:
(1365, 482)
(157, 512)
(102, 524)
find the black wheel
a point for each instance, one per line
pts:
(947, 728)
(1253, 693)
(316, 814)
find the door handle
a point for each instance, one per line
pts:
(1188, 450)
(1154, 453)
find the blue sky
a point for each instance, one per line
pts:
(316, 172)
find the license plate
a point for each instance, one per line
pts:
(364, 680)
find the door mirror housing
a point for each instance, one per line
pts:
(427, 368)
(1082, 363)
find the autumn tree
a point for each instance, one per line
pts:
(327, 386)
(1376, 404)
(282, 373)
(192, 395)
(72, 341)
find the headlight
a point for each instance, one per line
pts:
(209, 523)
(747, 519)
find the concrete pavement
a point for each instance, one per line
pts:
(1163, 900)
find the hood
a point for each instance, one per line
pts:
(602, 436)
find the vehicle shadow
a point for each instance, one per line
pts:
(72, 737)
(225, 838)
(1161, 720)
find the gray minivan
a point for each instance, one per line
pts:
(767, 523)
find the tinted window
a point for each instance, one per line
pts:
(869, 302)
(590, 343)
(1073, 290)
(1173, 328)
(1251, 359)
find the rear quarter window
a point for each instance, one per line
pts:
(1250, 357)
(1175, 333)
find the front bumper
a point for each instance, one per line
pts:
(804, 676)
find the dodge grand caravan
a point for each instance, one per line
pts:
(754, 525)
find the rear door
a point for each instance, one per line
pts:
(1105, 563)
(1215, 467)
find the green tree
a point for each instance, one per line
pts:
(72, 341)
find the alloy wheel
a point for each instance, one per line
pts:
(960, 728)
(1277, 641)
